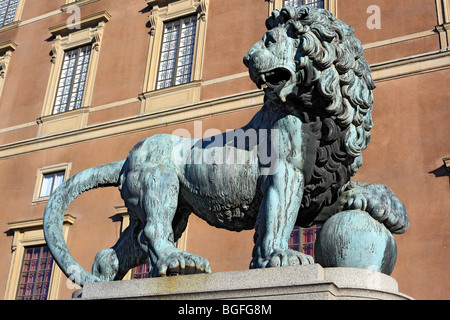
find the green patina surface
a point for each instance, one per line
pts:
(315, 123)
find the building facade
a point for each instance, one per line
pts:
(81, 82)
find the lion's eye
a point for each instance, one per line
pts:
(269, 39)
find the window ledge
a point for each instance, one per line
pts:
(64, 121)
(77, 4)
(36, 223)
(7, 46)
(10, 26)
(174, 96)
(89, 21)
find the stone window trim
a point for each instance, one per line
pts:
(162, 11)
(72, 79)
(175, 63)
(17, 17)
(330, 5)
(41, 172)
(446, 161)
(6, 50)
(443, 26)
(78, 3)
(90, 31)
(29, 233)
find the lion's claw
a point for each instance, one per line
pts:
(379, 201)
(282, 258)
(180, 263)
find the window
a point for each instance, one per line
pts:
(31, 272)
(330, 5)
(50, 182)
(177, 52)
(75, 56)
(7, 11)
(140, 272)
(175, 56)
(48, 179)
(298, 3)
(303, 239)
(35, 274)
(72, 81)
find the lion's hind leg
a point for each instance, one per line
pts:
(113, 263)
(157, 209)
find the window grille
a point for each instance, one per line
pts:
(177, 52)
(140, 272)
(35, 274)
(303, 239)
(69, 95)
(298, 3)
(7, 11)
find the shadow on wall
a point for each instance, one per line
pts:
(441, 172)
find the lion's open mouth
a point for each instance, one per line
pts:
(275, 79)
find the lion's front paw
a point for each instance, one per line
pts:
(380, 202)
(180, 263)
(282, 258)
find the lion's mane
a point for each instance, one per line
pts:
(334, 92)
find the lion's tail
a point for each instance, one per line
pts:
(101, 176)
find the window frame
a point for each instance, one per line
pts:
(65, 39)
(35, 282)
(30, 233)
(330, 5)
(162, 11)
(177, 51)
(77, 60)
(16, 21)
(300, 246)
(53, 180)
(140, 272)
(41, 172)
(314, 1)
(6, 50)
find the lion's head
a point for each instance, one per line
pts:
(311, 61)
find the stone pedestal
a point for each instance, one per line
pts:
(299, 282)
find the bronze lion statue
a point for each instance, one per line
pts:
(315, 123)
